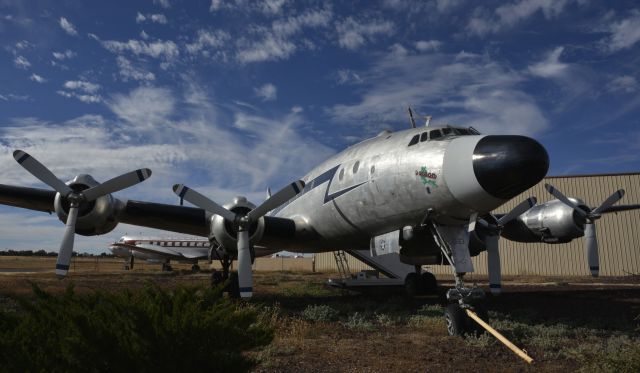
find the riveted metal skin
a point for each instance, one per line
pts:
(395, 185)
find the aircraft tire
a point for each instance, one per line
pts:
(456, 319)
(428, 283)
(481, 310)
(412, 284)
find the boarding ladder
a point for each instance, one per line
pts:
(343, 264)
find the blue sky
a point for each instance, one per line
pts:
(233, 96)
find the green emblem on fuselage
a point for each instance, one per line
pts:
(427, 178)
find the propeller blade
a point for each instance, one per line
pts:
(276, 200)
(43, 174)
(203, 202)
(615, 197)
(66, 247)
(493, 264)
(592, 249)
(556, 193)
(117, 183)
(245, 273)
(518, 210)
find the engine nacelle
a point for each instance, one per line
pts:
(95, 217)
(551, 222)
(225, 233)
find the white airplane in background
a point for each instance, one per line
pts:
(418, 193)
(165, 249)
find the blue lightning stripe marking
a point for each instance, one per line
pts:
(594, 268)
(246, 290)
(140, 175)
(24, 157)
(295, 188)
(62, 267)
(321, 179)
(495, 286)
(183, 191)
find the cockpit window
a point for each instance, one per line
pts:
(414, 140)
(424, 136)
(447, 131)
(464, 131)
(435, 134)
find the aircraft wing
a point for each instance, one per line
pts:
(180, 219)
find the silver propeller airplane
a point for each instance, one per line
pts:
(418, 192)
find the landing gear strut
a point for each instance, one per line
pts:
(217, 278)
(166, 267)
(460, 298)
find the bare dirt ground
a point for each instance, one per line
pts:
(565, 324)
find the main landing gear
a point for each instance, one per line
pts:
(420, 283)
(217, 277)
(460, 298)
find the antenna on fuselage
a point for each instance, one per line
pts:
(413, 122)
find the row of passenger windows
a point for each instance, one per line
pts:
(180, 243)
(439, 133)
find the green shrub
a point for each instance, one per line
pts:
(321, 313)
(186, 328)
(358, 322)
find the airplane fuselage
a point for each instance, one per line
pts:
(395, 180)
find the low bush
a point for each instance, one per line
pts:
(186, 328)
(320, 313)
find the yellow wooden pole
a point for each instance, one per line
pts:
(500, 337)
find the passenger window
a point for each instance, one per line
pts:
(414, 140)
(355, 166)
(424, 136)
(435, 134)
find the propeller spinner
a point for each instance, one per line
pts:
(75, 198)
(242, 223)
(590, 216)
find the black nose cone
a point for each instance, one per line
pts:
(506, 166)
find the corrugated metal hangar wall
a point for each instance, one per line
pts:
(618, 234)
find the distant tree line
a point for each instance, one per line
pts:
(7, 252)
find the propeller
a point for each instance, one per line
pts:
(494, 228)
(590, 216)
(75, 198)
(242, 223)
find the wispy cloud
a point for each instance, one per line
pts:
(625, 83)
(623, 34)
(84, 91)
(67, 26)
(128, 71)
(352, 33)
(155, 18)
(473, 91)
(21, 62)
(167, 50)
(509, 15)
(64, 55)
(37, 78)
(208, 42)
(551, 66)
(428, 45)
(267, 92)
(163, 3)
(278, 42)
